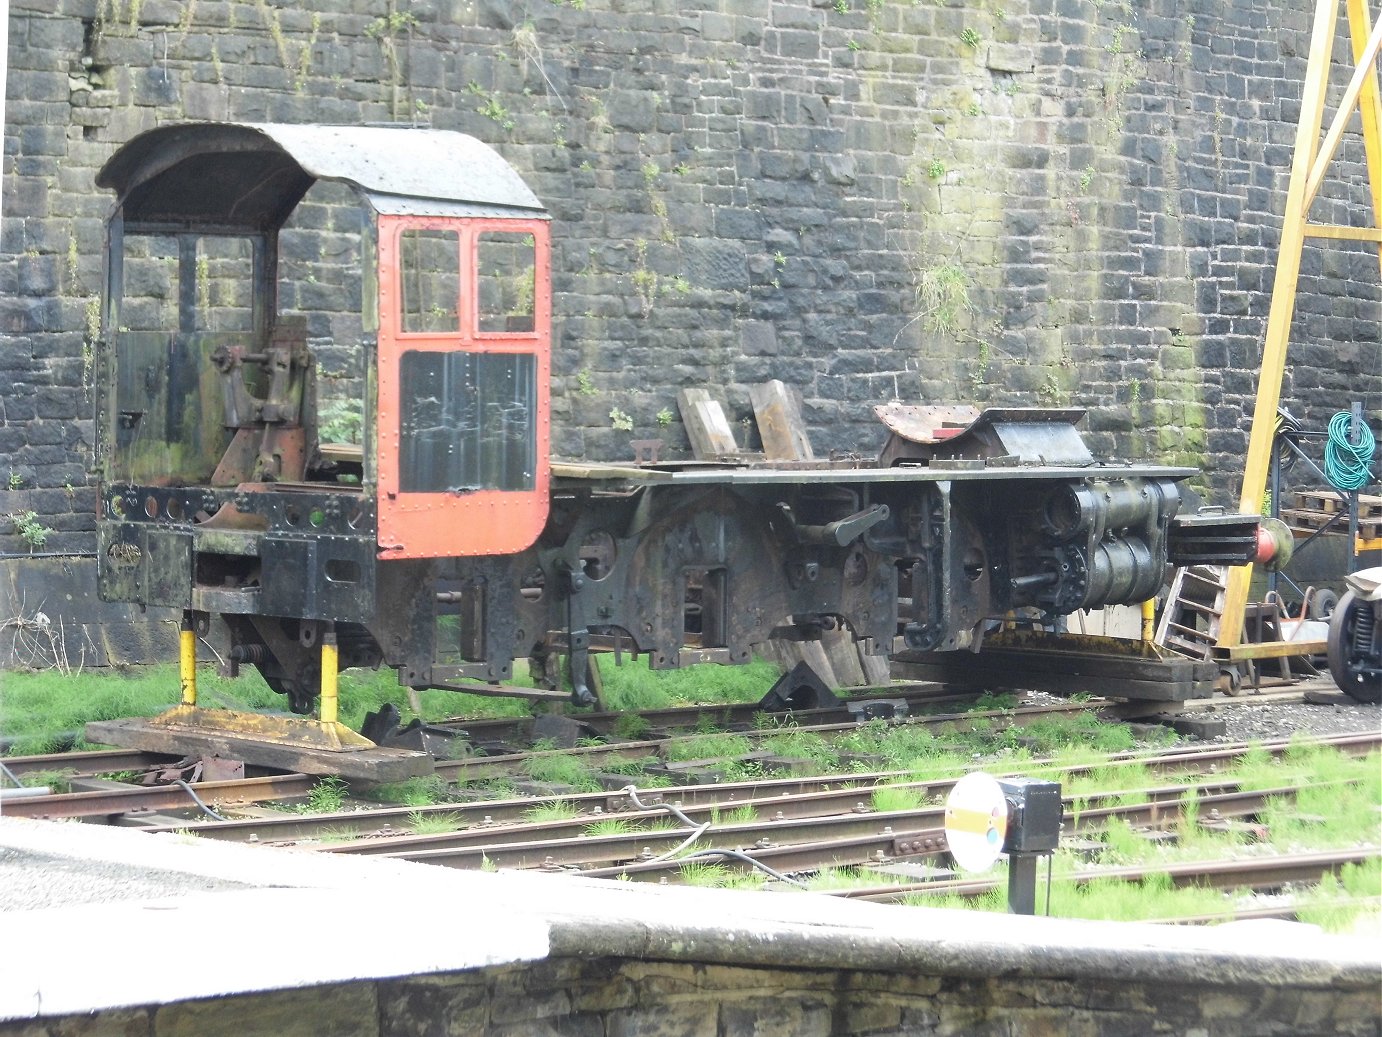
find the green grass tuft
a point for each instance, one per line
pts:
(562, 770)
(327, 796)
(415, 792)
(434, 824)
(706, 747)
(633, 686)
(556, 810)
(891, 797)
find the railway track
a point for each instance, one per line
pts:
(787, 825)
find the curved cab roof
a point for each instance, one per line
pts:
(249, 176)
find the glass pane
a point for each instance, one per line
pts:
(225, 284)
(431, 285)
(469, 422)
(323, 265)
(149, 301)
(507, 271)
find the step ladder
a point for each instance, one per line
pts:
(1197, 593)
(1197, 597)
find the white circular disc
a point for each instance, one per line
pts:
(976, 821)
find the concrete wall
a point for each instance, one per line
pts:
(612, 997)
(1023, 202)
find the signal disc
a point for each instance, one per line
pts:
(976, 821)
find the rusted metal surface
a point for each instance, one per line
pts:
(164, 797)
(100, 761)
(440, 545)
(266, 746)
(1030, 435)
(1248, 873)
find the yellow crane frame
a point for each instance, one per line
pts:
(1309, 164)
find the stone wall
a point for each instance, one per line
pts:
(608, 997)
(1019, 202)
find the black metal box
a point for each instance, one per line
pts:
(1034, 815)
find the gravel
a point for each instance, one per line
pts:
(1267, 722)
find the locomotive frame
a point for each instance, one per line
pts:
(447, 543)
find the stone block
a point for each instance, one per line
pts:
(347, 1010)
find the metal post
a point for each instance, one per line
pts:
(330, 700)
(187, 659)
(1022, 872)
(1149, 620)
(1355, 434)
(1274, 503)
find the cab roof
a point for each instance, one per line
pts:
(249, 176)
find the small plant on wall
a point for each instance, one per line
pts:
(944, 293)
(29, 529)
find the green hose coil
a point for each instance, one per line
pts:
(1347, 465)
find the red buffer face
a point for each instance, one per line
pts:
(464, 368)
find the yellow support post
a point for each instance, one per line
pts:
(1369, 107)
(330, 698)
(1307, 167)
(187, 659)
(1149, 620)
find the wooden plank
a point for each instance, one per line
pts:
(1369, 504)
(975, 672)
(380, 765)
(1276, 649)
(813, 655)
(778, 413)
(1368, 527)
(877, 670)
(706, 425)
(596, 470)
(844, 658)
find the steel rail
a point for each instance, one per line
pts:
(1288, 911)
(512, 764)
(914, 694)
(161, 797)
(922, 841)
(792, 843)
(87, 762)
(136, 798)
(790, 797)
(1243, 873)
(825, 809)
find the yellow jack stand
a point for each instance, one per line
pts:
(322, 746)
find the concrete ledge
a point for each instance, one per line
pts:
(320, 920)
(237, 942)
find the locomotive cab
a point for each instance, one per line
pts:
(290, 448)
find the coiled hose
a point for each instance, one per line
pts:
(1348, 465)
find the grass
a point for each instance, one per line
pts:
(1330, 904)
(610, 826)
(741, 815)
(804, 745)
(633, 686)
(556, 810)
(41, 708)
(434, 824)
(327, 796)
(562, 770)
(706, 747)
(415, 792)
(891, 797)
(55, 780)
